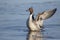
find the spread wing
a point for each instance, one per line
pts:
(48, 14)
(44, 15)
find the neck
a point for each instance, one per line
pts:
(31, 17)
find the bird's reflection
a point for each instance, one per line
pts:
(34, 35)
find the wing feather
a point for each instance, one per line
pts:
(48, 14)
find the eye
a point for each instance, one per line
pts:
(40, 18)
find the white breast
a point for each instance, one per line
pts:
(32, 24)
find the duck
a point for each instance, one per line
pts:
(36, 24)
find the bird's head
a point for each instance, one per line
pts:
(30, 10)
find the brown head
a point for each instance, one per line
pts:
(30, 10)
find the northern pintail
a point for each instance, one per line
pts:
(35, 24)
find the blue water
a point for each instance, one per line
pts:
(13, 21)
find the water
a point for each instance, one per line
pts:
(13, 21)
